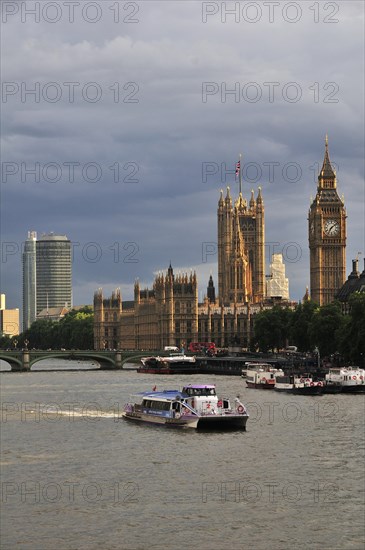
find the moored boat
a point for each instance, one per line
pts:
(172, 364)
(195, 406)
(302, 385)
(345, 380)
(262, 376)
(154, 365)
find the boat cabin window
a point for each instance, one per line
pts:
(200, 391)
(156, 405)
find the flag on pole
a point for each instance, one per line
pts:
(238, 167)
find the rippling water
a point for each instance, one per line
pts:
(75, 476)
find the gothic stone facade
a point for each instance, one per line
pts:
(169, 315)
(241, 250)
(166, 315)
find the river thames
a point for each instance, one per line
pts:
(77, 477)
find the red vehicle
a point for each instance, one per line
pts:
(202, 347)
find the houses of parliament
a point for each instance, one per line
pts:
(169, 313)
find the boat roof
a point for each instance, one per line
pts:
(200, 386)
(345, 369)
(257, 364)
(168, 395)
(173, 394)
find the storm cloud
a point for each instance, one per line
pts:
(121, 122)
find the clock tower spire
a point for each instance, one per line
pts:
(327, 175)
(327, 236)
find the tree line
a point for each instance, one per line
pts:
(309, 326)
(73, 331)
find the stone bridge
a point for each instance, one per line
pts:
(23, 360)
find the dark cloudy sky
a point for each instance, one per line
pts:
(133, 128)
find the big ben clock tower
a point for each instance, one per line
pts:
(327, 237)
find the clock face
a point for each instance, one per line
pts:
(331, 228)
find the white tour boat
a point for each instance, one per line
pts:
(262, 376)
(345, 380)
(195, 406)
(298, 384)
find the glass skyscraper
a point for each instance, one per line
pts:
(47, 274)
(54, 272)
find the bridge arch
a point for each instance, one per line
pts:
(15, 362)
(104, 361)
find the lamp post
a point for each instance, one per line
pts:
(15, 343)
(316, 350)
(26, 342)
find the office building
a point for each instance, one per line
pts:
(54, 272)
(47, 275)
(9, 319)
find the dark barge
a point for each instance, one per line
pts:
(233, 366)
